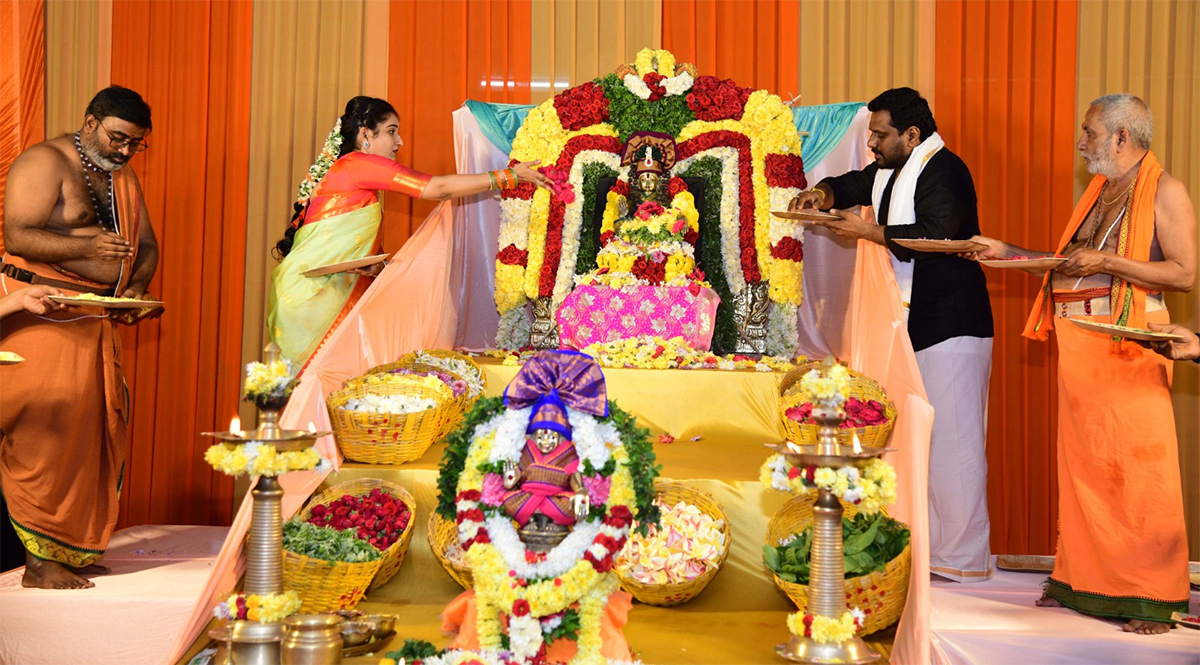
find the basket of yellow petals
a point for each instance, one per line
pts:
(870, 415)
(672, 565)
(387, 418)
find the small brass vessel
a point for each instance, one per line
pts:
(312, 639)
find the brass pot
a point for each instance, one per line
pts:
(312, 639)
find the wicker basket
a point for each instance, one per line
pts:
(671, 493)
(393, 556)
(326, 586)
(861, 387)
(881, 595)
(443, 534)
(464, 402)
(385, 438)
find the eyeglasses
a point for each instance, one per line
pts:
(121, 141)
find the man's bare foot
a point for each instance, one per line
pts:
(93, 569)
(1146, 627)
(1047, 601)
(51, 575)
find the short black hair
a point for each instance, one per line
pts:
(120, 103)
(907, 108)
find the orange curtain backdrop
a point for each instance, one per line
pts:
(442, 53)
(716, 35)
(191, 62)
(22, 76)
(1004, 100)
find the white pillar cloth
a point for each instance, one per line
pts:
(956, 373)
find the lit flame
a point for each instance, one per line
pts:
(857, 445)
(235, 424)
(311, 426)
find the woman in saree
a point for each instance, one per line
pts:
(337, 218)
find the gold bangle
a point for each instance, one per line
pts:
(822, 193)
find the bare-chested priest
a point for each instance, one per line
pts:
(75, 220)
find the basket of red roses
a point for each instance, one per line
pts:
(379, 512)
(870, 415)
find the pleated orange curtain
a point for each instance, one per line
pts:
(190, 60)
(22, 76)
(1005, 101)
(442, 53)
(754, 43)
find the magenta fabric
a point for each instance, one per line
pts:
(592, 314)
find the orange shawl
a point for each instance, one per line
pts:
(1128, 301)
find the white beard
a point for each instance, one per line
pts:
(101, 161)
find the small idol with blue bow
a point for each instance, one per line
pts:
(546, 495)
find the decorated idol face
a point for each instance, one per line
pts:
(546, 439)
(648, 182)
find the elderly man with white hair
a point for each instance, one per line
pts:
(1122, 545)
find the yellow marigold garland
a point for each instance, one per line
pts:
(256, 458)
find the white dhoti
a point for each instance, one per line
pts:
(956, 373)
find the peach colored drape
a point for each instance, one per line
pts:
(190, 61)
(1007, 69)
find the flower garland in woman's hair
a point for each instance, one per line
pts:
(827, 630)
(316, 172)
(260, 458)
(870, 488)
(266, 608)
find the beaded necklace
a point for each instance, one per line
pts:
(105, 216)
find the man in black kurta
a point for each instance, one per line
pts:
(920, 189)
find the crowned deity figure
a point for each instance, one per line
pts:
(545, 494)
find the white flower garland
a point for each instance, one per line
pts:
(783, 329)
(325, 160)
(514, 330)
(678, 84)
(637, 86)
(731, 253)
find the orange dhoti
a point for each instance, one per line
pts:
(1122, 544)
(63, 415)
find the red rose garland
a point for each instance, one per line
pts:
(654, 82)
(715, 99)
(788, 248)
(511, 256)
(785, 171)
(582, 106)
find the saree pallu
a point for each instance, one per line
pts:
(64, 412)
(304, 309)
(1122, 544)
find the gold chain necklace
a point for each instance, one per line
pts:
(1119, 196)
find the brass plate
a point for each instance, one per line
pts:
(940, 246)
(1124, 331)
(1039, 263)
(343, 266)
(106, 302)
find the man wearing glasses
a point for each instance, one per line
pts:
(74, 220)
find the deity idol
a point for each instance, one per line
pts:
(546, 495)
